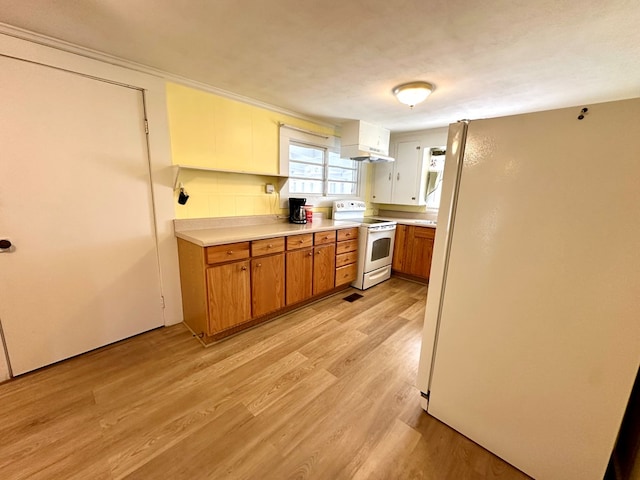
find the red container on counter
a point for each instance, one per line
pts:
(309, 213)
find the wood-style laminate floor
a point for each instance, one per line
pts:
(326, 392)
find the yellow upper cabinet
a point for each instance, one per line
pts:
(214, 132)
(266, 138)
(192, 125)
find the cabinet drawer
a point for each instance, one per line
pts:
(424, 232)
(347, 234)
(267, 246)
(346, 274)
(228, 252)
(348, 246)
(346, 258)
(299, 241)
(324, 237)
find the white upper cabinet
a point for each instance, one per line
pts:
(402, 182)
(360, 137)
(381, 189)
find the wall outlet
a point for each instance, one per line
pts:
(268, 188)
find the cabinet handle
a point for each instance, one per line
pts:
(389, 176)
(270, 246)
(300, 241)
(259, 265)
(398, 178)
(243, 268)
(310, 253)
(230, 252)
(318, 252)
(347, 234)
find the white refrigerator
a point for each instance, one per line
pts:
(531, 341)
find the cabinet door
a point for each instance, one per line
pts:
(234, 135)
(267, 284)
(407, 175)
(421, 239)
(229, 292)
(299, 275)
(382, 182)
(400, 249)
(324, 268)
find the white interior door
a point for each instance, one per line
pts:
(75, 202)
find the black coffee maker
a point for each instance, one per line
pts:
(296, 210)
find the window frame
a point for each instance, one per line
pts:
(327, 143)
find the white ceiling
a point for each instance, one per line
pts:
(339, 60)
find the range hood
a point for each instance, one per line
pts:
(363, 155)
(365, 142)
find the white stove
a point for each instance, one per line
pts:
(375, 244)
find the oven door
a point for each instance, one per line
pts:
(379, 248)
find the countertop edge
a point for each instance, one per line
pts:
(408, 221)
(219, 236)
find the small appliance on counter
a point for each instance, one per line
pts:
(297, 212)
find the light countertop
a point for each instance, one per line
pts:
(221, 235)
(410, 221)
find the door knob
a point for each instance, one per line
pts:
(5, 244)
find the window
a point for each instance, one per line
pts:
(319, 171)
(314, 167)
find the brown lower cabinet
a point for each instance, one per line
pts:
(346, 256)
(324, 268)
(399, 248)
(413, 251)
(421, 251)
(227, 288)
(229, 293)
(267, 284)
(299, 275)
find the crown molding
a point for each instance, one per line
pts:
(62, 45)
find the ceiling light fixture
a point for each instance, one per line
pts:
(413, 93)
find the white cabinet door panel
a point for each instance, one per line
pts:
(76, 203)
(382, 182)
(408, 171)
